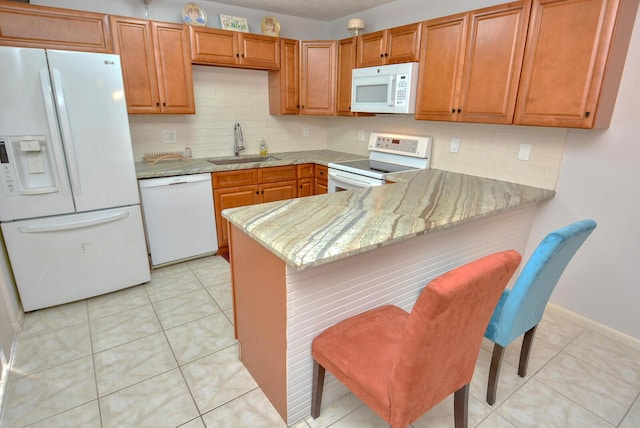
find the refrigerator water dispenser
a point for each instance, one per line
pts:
(29, 168)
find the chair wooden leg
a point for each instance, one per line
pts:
(526, 350)
(461, 407)
(316, 389)
(494, 373)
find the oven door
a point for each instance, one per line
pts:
(341, 180)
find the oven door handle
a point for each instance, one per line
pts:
(349, 180)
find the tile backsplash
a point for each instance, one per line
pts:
(226, 95)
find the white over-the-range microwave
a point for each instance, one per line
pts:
(385, 89)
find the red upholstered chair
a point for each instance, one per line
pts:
(402, 364)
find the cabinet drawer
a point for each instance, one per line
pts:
(321, 173)
(239, 177)
(305, 171)
(276, 173)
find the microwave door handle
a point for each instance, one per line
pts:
(391, 90)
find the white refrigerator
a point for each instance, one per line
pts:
(69, 203)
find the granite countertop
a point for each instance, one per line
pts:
(315, 230)
(197, 166)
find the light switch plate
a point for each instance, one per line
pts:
(455, 145)
(525, 152)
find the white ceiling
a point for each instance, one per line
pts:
(322, 10)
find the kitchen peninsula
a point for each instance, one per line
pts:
(299, 266)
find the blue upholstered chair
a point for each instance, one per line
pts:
(520, 309)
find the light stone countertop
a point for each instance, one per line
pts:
(200, 165)
(315, 230)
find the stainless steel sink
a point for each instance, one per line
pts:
(233, 161)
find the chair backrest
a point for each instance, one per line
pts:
(442, 337)
(526, 302)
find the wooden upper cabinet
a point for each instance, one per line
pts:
(155, 65)
(573, 62)
(347, 49)
(210, 46)
(492, 66)
(284, 84)
(318, 77)
(441, 59)
(52, 28)
(470, 64)
(391, 46)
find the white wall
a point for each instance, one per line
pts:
(600, 178)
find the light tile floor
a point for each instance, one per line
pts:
(163, 354)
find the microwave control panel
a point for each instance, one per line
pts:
(402, 89)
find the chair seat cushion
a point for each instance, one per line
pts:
(339, 350)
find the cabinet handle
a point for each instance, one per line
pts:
(459, 110)
(237, 55)
(386, 54)
(453, 110)
(157, 104)
(243, 55)
(164, 104)
(381, 55)
(587, 114)
(257, 192)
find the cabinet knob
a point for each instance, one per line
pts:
(237, 55)
(459, 110)
(157, 104)
(164, 104)
(381, 55)
(453, 110)
(587, 114)
(386, 54)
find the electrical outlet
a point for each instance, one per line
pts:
(169, 136)
(525, 152)
(455, 145)
(361, 135)
(305, 131)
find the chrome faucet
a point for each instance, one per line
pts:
(238, 140)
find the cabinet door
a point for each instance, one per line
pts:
(213, 46)
(372, 48)
(284, 84)
(564, 62)
(442, 55)
(279, 191)
(403, 44)
(259, 52)
(231, 198)
(305, 187)
(305, 170)
(346, 63)
(173, 66)
(493, 62)
(51, 28)
(318, 77)
(234, 178)
(133, 42)
(321, 179)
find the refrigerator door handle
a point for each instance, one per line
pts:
(47, 95)
(75, 224)
(65, 127)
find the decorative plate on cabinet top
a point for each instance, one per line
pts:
(270, 26)
(193, 15)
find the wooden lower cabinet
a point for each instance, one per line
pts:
(239, 188)
(321, 179)
(232, 197)
(306, 185)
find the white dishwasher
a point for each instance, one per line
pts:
(179, 217)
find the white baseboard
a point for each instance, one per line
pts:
(595, 326)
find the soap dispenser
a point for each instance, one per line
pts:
(263, 148)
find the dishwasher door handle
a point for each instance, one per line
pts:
(170, 181)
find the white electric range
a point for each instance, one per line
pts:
(388, 153)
